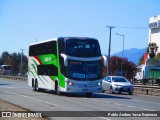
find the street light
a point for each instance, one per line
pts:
(122, 52)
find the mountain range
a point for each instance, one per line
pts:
(132, 54)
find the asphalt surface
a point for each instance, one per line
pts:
(19, 93)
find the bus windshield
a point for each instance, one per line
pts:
(82, 48)
(84, 70)
(7, 67)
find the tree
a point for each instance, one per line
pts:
(158, 56)
(141, 60)
(14, 60)
(152, 49)
(128, 67)
(5, 58)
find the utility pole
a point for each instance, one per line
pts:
(109, 51)
(21, 61)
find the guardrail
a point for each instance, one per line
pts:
(147, 89)
(147, 86)
(13, 77)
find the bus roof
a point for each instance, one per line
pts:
(5, 65)
(52, 39)
(55, 39)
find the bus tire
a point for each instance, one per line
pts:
(89, 94)
(33, 85)
(57, 92)
(36, 88)
(32, 82)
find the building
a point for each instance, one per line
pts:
(154, 31)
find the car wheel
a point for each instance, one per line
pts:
(103, 91)
(111, 90)
(130, 93)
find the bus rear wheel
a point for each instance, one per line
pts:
(34, 85)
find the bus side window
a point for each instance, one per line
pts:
(50, 70)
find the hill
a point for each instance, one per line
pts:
(132, 54)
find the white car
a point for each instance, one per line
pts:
(116, 84)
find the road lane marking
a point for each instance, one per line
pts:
(52, 104)
(122, 105)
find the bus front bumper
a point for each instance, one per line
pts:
(83, 86)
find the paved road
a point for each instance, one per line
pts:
(19, 93)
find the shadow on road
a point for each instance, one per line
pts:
(95, 95)
(4, 84)
(116, 96)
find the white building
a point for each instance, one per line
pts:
(154, 31)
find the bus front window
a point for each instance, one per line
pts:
(82, 48)
(80, 70)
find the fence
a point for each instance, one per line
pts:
(14, 77)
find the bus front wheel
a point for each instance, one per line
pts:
(57, 92)
(89, 94)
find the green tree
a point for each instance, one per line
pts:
(5, 58)
(141, 60)
(158, 56)
(14, 60)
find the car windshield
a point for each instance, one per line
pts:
(84, 70)
(118, 79)
(82, 48)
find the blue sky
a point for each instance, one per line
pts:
(22, 22)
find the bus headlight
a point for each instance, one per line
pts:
(70, 83)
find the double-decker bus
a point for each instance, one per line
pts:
(66, 64)
(5, 69)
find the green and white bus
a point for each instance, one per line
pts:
(66, 64)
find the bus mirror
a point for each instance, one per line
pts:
(104, 59)
(65, 59)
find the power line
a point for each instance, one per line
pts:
(98, 32)
(102, 30)
(133, 27)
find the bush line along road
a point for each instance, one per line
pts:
(19, 93)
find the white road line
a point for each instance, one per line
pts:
(122, 105)
(51, 103)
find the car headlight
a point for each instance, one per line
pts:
(100, 83)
